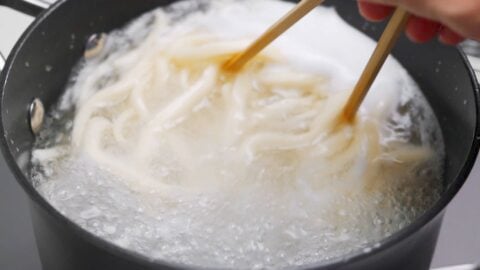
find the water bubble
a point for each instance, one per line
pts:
(90, 213)
(367, 250)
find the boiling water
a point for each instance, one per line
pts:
(153, 148)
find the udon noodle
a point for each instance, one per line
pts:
(258, 154)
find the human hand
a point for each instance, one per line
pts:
(451, 20)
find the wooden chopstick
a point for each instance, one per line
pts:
(300, 10)
(385, 45)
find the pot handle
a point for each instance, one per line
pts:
(29, 7)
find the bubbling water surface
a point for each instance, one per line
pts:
(153, 148)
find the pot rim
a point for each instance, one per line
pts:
(143, 260)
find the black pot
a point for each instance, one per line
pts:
(57, 37)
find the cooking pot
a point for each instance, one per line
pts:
(39, 67)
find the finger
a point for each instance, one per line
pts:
(374, 12)
(450, 37)
(421, 30)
